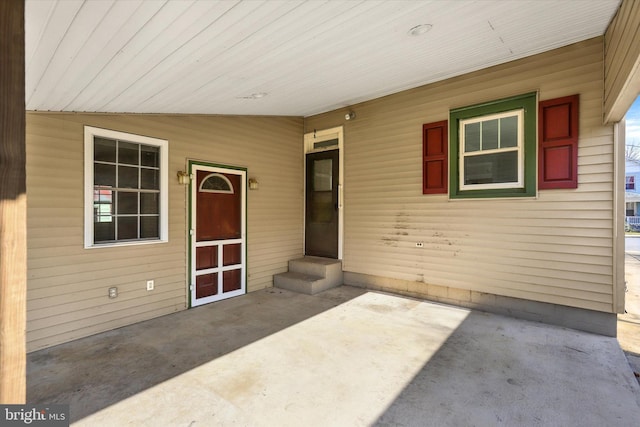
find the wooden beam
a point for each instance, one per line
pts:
(13, 205)
(621, 62)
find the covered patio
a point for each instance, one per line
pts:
(348, 356)
(344, 357)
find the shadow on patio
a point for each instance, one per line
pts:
(95, 372)
(345, 357)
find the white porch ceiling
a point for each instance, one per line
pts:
(213, 57)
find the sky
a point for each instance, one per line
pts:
(632, 130)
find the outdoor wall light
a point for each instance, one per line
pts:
(350, 115)
(183, 178)
(253, 184)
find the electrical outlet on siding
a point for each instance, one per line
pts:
(150, 285)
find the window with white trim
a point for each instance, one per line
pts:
(630, 182)
(491, 152)
(126, 188)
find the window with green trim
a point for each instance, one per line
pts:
(493, 149)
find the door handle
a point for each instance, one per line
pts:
(340, 196)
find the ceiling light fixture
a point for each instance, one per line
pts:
(419, 30)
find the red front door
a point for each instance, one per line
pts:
(217, 233)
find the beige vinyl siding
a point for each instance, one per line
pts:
(67, 284)
(622, 61)
(556, 248)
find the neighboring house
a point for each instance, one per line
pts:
(632, 190)
(524, 224)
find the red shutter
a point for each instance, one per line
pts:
(434, 158)
(558, 143)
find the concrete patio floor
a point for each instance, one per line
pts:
(629, 322)
(345, 357)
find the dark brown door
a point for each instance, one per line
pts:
(217, 242)
(322, 209)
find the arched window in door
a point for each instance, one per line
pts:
(216, 183)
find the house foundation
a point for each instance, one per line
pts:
(570, 317)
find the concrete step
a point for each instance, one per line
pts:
(299, 282)
(310, 275)
(316, 266)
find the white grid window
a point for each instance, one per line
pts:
(491, 151)
(125, 188)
